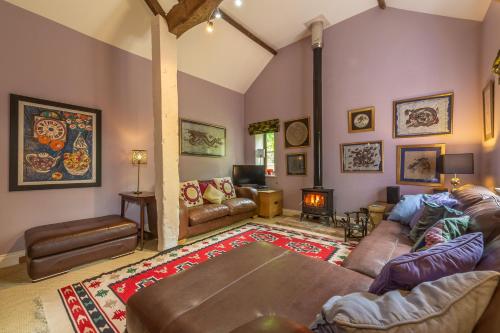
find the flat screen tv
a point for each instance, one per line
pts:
(249, 175)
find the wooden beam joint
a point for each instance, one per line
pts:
(381, 4)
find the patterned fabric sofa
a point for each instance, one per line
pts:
(260, 280)
(207, 217)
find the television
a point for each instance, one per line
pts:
(249, 175)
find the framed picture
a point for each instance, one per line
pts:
(417, 165)
(53, 145)
(489, 110)
(296, 164)
(362, 157)
(200, 139)
(361, 120)
(297, 133)
(424, 116)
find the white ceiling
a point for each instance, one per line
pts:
(226, 57)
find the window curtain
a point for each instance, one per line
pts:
(268, 126)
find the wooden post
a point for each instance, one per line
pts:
(166, 132)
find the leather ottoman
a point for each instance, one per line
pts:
(235, 288)
(56, 248)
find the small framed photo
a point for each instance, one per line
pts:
(361, 120)
(423, 116)
(362, 157)
(296, 164)
(418, 165)
(297, 133)
(489, 110)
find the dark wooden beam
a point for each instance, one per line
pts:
(155, 7)
(381, 4)
(247, 33)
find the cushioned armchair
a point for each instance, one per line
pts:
(208, 217)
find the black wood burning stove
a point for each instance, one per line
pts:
(317, 201)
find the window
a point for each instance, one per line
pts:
(265, 151)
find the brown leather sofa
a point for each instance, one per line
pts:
(233, 291)
(201, 219)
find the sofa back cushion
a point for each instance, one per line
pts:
(451, 304)
(469, 195)
(490, 261)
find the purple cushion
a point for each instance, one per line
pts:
(409, 270)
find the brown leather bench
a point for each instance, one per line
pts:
(56, 248)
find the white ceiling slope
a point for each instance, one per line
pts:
(226, 57)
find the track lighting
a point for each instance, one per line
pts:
(217, 14)
(210, 26)
(238, 3)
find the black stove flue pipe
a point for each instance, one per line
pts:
(317, 45)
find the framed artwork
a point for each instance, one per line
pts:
(296, 164)
(361, 120)
(200, 139)
(362, 157)
(53, 145)
(417, 165)
(489, 110)
(297, 133)
(424, 116)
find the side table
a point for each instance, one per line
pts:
(270, 203)
(145, 200)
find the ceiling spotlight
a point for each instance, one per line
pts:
(238, 3)
(217, 14)
(210, 26)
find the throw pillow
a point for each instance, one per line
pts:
(409, 270)
(213, 195)
(431, 214)
(443, 199)
(190, 193)
(203, 187)
(406, 208)
(451, 304)
(443, 231)
(226, 186)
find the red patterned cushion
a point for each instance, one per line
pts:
(203, 187)
(226, 186)
(190, 193)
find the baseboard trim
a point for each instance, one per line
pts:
(291, 212)
(11, 259)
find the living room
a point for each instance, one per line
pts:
(346, 135)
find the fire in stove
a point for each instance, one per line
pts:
(314, 200)
(317, 202)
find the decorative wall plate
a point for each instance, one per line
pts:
(297, 133)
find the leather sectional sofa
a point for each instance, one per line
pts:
(234, 291)
(199, 220)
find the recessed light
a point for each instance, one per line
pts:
(238, 3)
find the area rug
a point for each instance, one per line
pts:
(98, 304)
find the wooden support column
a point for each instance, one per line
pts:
(166, 132)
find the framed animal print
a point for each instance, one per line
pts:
(362, 157)
(418, 165)
(201, 139)
(296, 164)
(53, 145)
(297, 133)
(430, 115)
(361, 120)
(489, 110)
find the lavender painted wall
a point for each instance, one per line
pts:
(370, 60)
(43, 59)
(490, 44)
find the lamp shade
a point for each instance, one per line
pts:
(457, 164)
(139, 156)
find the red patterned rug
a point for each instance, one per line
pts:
(98, 304)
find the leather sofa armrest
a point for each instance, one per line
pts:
(247, 192)
(271, 324)
(183, 220)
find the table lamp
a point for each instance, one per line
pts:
(139, 157)
(453, 164)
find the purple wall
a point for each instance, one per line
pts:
(370, 60)
(490, 44)
(43, 59)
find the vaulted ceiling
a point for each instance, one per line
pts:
(226, 57)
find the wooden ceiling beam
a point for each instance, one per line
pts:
(155, 7)
(246, 32)
(381, 4)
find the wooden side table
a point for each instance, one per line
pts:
(270, 203)
(145, 200)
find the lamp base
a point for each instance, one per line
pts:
(455, 182)
(137, 192)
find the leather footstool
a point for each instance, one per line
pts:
(56, 248)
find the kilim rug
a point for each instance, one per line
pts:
(98, 304)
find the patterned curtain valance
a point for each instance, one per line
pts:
(268, 126)
(496, 64)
